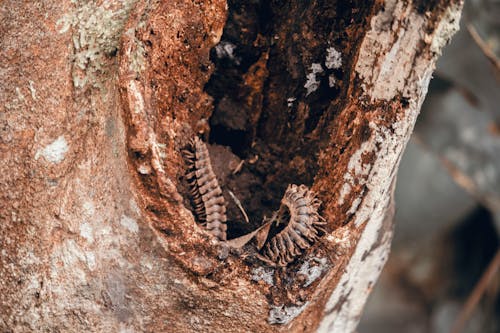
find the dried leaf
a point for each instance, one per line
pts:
(262, 234)
(241, 241)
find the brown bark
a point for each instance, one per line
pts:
(99, 98)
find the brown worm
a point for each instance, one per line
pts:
(206, 194)
(299, 208)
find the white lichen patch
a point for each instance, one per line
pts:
(96, 28)
(87, 232)
(354, 206)
(347, 300)
(162, 149)
(312, 82)
(88, 208)
(290, 101)
(64, 23)
(33, 284)
(344, 191)
(31, 86)
(386, 58)
(90, 260)
(146, 264)
(67, 263)
(312, 269)
(356, 165)
(104, 232)
(28, 258)
(135, 92)
(55, 151)
(20, 95)
(390, 60)
(356, 169)
(133, 207)
(340, 236)
(387, 143)
(284, 314)
(263, 274)
(331, 81)
(446, 28)
(71, 253)
(144, 169)
(333, 58)
(137, 54)
(226, 50)
(129, 223)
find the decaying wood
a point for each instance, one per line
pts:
(98, 99)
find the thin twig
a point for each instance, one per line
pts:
(240, 206)
(476, 294)
(485, 48)
(238, 167)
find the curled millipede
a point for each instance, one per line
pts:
(299, 208)
(206, 194)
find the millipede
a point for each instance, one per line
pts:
(206, 194)
(299, 209)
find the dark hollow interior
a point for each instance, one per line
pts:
(263, 113)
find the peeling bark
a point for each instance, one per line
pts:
(97, 232)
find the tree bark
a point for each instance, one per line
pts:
(98, 99)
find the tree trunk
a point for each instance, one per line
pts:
(98, 100)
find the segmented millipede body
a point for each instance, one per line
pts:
(299, 207)
(206, 194)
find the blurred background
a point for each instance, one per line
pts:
(443, 273)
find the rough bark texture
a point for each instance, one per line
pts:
(99, 98)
